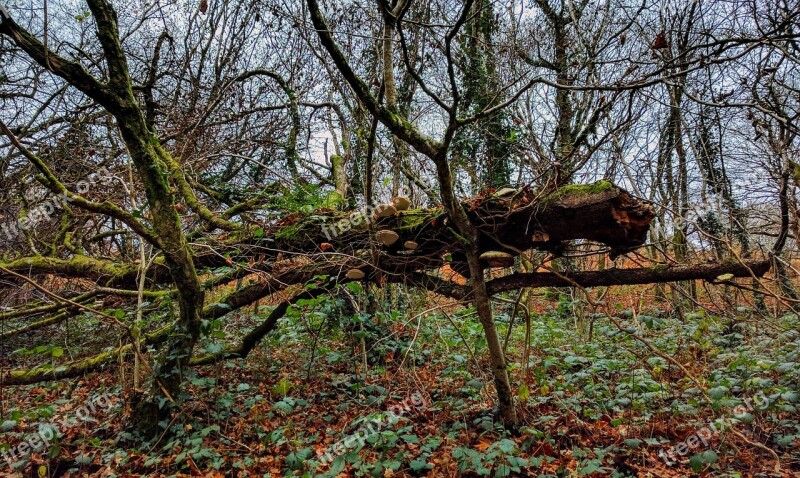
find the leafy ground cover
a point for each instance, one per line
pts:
(599, 396)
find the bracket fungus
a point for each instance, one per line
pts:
(505, 192)
(401, 203)
(497, 259)
(355, 274)
(387, 237)
(385, 210)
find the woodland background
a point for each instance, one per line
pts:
(596, 218)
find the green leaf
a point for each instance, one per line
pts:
(502, 470)
(506, 446)
(717, 392)
(392, 464)
(419, 465)
(282, 387)
(337, 466)
(790, 396)
(354, 287)
(590, 467)
(633, 443)
(700, 460)
(57, 352)
(710, 456)
(745, 418)
(523, 392)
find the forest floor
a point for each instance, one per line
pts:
(594, 398)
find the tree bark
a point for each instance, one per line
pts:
(154, 168)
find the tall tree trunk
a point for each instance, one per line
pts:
(156, 169)
(497, 360)
(469, 239)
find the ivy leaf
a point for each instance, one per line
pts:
(243, 387)
(633, 443)
(523, 392)
(419, 465)
(698, 461)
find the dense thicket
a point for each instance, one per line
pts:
(156, 153)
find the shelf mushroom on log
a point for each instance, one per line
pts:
(387, 237)
(517, 220)
(355, 274)
(401, 203)
(599, 212)
(385, 210)
(497, 259)
(410, 245)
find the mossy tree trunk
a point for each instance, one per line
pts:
(153, 166)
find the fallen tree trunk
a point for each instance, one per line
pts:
(610, 277)
(511, 223)
(329, 244)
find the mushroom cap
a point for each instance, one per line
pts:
(505, 192)
(401, 203)
(410, 245)
(355, 274)
(385, 210)
(497, 259)
(326, 246)
(387, 237)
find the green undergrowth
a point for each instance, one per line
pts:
(594, 399)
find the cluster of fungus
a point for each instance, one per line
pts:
(387, 237)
